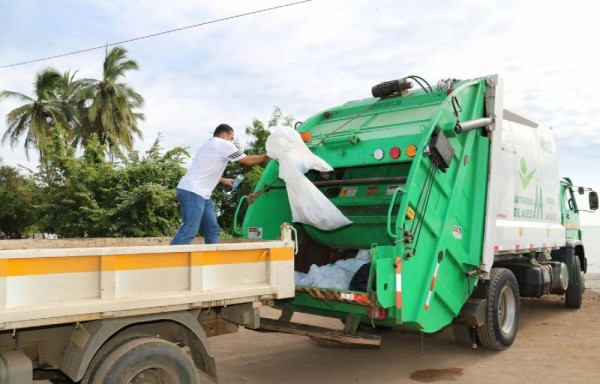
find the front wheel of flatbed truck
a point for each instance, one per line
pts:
(502, 311)
(146, 360)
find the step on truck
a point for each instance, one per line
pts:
(133, 314)
(456, 194)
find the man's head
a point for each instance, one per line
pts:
(224, 131)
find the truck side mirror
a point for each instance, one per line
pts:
(593, 200)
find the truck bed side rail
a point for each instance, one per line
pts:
(43, 287)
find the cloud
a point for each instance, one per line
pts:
(316, 55)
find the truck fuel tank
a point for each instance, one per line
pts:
(538, 279)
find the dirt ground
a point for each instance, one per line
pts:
(554, 345)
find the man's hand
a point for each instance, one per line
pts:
(250, 160)
(226, 182)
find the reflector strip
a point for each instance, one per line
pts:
(359, 298)
(398, 282)
(306, 136)
(499, 248)
(332, 295)
(431, 286)
(128, 262)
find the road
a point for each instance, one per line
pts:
(554, 345)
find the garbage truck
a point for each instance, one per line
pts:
(456, 195)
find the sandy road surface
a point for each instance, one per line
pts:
(554, 345)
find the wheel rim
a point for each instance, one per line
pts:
(154, 375)
(507, 310)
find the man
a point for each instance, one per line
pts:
(196, 186)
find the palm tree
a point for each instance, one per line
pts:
(110, 114)
(36, 117)
(74, 107)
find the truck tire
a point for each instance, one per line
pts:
(147, 360)
(502, 312)
(465, 336)
(574, 292)
(103, 352)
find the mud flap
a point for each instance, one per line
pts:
(473, 313)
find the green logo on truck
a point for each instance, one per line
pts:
(527, 207)
(525, 177)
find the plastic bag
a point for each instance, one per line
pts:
(304, 279)
(334, 276)
(308, 204)
(360, 280)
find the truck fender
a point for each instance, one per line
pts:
(575, 247)
(87, 339)
(15, 367)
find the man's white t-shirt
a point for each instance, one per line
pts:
(208, 166)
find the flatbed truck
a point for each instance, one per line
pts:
(133, 314)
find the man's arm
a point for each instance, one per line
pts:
(250, 160)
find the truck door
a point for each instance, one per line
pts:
(570, 215)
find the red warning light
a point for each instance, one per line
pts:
(395, 152)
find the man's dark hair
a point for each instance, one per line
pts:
(222, 128)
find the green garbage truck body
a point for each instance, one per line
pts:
(457, 197)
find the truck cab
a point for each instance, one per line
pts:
(570, 209)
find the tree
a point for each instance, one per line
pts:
(19, 196)
(106, 108)
(111, 113)
(147, 203)
(74, 106)
(68, 203)
(91, 197)
(34, 119)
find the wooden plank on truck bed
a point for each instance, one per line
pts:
(327, 335)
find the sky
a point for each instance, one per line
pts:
(310, 56)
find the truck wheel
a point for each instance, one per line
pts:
(465, 336)
(574, 292)
(103, 352)
(502, 312)
(147, 360)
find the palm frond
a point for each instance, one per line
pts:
(15, 95)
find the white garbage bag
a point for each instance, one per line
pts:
(303, 279)
(308, 204)
(333, 276)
